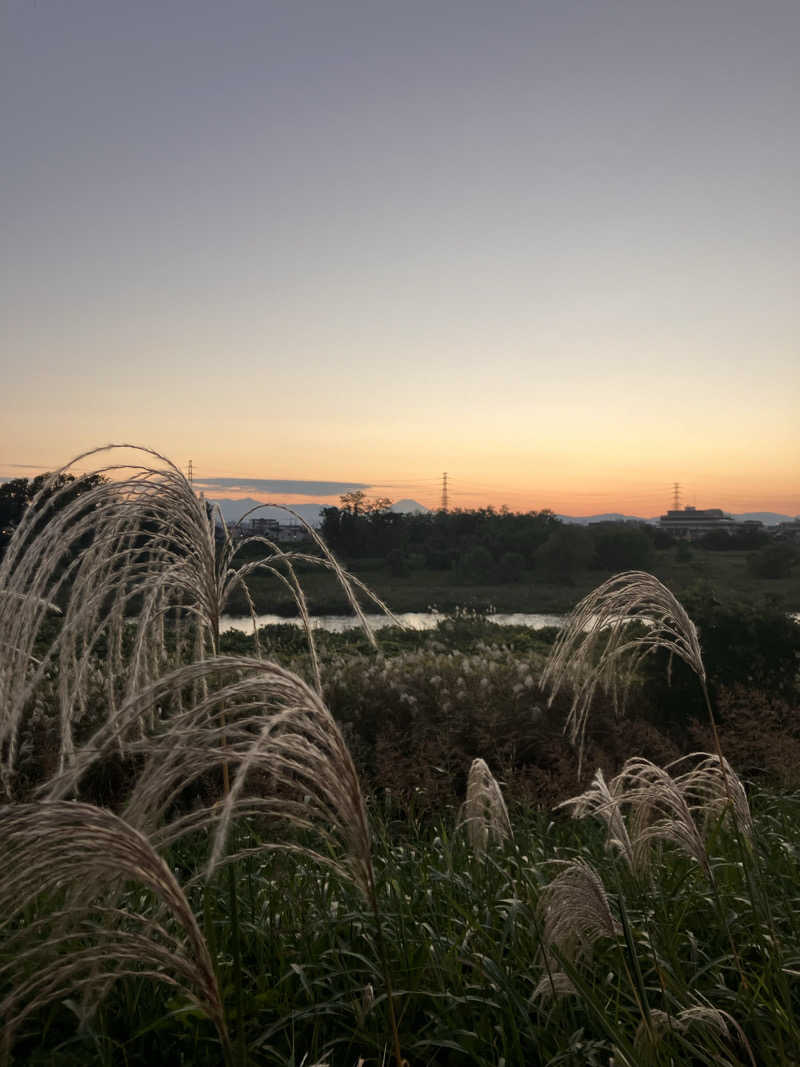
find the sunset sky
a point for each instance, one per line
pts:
(552, 248)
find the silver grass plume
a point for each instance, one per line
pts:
(659, 811)
(85, 858)
(556, 985)
(604, 800)
(131, 530)
(484, 814)
(596, 647)
(713, 789)
(575, 911)
(646, 803)
(714, 1022)
(263, 727)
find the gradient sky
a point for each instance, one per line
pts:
(549, 247)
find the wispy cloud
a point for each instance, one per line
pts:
(30, 467)
(276, 486)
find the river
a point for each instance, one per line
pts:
(413, 620)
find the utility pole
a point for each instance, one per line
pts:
(444, 492)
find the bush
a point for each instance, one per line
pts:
(621, 548)
(726, 541)
(759, 734)
(683, 553)
(567, 550)
(397, 563)
(477, 564)
(512, 566)
(774, 561)
(756, 649)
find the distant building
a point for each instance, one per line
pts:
(258, 527)
(292, 532)
(788, 531)
(271, 529)
(690, 522)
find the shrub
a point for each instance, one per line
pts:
(760, 734)
(477, 564)
(620, 547)
(512, 566)
(567, 550)
(774, 561)
(683, 553)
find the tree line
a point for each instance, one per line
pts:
(16, 495)
(483, 544)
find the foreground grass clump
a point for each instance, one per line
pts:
(466, 939)
(196, 874)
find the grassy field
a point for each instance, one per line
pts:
(723, 574)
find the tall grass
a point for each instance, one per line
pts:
(65, 862)
(599, 647)
(138, 546)
(666, 934)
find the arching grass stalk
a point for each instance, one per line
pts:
(596, 648)
(658, 809)
(233, 892)
(75, 859)
(119, 549)
(287, 762)
(575, 913)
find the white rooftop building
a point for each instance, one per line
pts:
(693, 522)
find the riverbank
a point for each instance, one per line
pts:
(408, 620)
(721, 576)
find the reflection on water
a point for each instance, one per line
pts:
(413, 620)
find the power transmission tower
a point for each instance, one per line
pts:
(676, 496)
(444, 492)
(190, 472)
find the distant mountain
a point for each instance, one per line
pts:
(410, 507)
(232, 510)
(611, 516)
(769, 518)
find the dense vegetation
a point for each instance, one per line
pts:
(703, 575)
(283, 852)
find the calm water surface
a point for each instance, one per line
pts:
(414, 620)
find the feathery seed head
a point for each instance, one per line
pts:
(131, 536)
(597, 648)
(83, 856)
(483, 813)
(575, 910)
(285, 755)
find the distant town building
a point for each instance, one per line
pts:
(271, 529)
(258, 527)
(788, 531)
(292, 532)
(690, 522)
